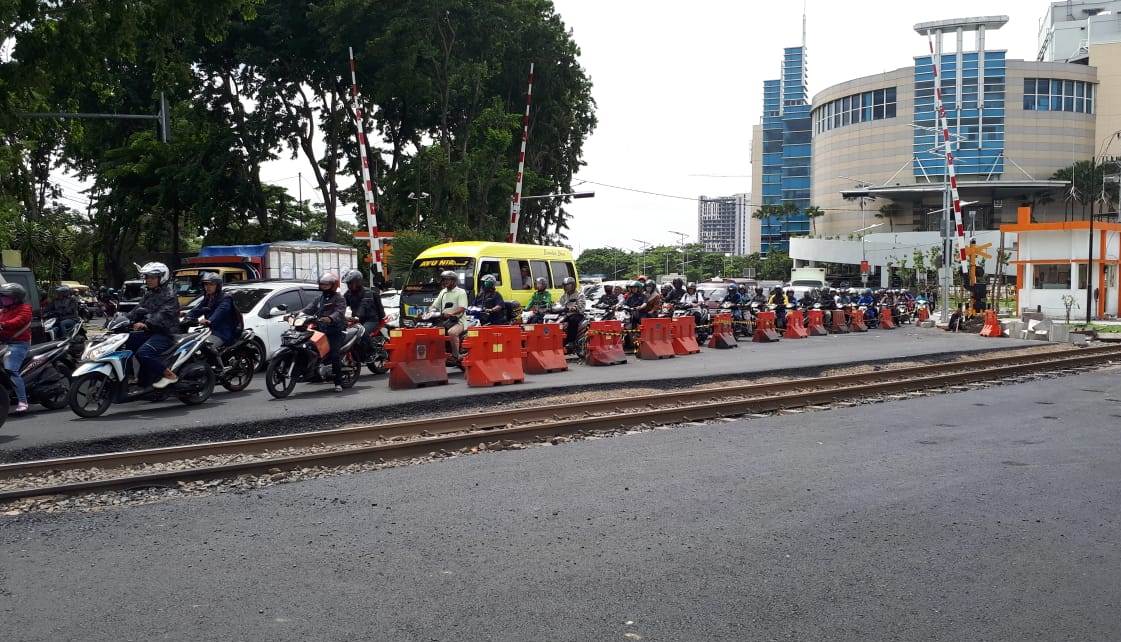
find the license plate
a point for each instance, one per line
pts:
(413, 310)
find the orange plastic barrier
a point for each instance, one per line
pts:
(544, 348)
(605, 343)
(840, 324)
(654, 341)
(856, 321)
(494, 355)
(816, 324)
(922, 315)
(416, 358)
(795, 329)
(683, 335)
(722, 335)
(765, 328)
(992, 325)
(886, 323)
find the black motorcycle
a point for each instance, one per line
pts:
(302, 356)
(7, 392)
(47, 367)
(233, 364)
(371, 352)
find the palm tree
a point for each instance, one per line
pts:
(813, 212)
(890, 211)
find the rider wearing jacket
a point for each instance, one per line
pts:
(635, 299)
(154, 321)
(329, 310)
(573, 302)
(64, 307)
(365, 305)
(541, 301)
(217, 311)
(490, 301)
(609, 299)
(676, 292)
(15, 333)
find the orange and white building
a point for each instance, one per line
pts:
(1052, 260)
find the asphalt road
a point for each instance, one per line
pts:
(982, 515)
(371, 398)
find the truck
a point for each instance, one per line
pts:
(804, 279)
(287, 260)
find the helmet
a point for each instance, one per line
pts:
(691, 285)
(568, 280)
(62, 290)
(112, 292)
(666, 288)
(328, 278)
(14, 290)
(211, 277)
(732, 287)
(678, 282)
(641, 278)
(867, 292)
(541, 281)
(448, 274)
(488, 282)
(635, 284)
(649, 285)
(156, 269)
(351, 276)
(103, 289)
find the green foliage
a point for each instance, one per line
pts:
(889, 211)
(1087, 181)
(700, 265)
(443, 85)
(407, 245)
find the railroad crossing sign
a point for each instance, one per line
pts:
(972, 252)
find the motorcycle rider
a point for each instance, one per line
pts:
(329, 310)
(866, 299)
(217, 311)
(691, 296)
(676, 292)
(635, 298)
(365, 307)
(609, 299)
(109, 303)
(778, 300)
(15, 332)
(451, 304)
(573, 302)
(154, 320)
(64, 308)
(653, 299)
(490, 301)
(541, 300)
(809, 299)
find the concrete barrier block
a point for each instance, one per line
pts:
(1013, 328)
(1059, 333)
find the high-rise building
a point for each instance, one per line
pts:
(724, 223)
(782, 161)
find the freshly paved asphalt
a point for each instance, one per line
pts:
(982, 515)
(309, 403)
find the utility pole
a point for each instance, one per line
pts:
(681, 241)
(300, 187)
(163, 118)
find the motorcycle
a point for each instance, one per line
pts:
(302, 356)
(104, 375)
(47, 367)
(578, 347)
(233, 364)
(6, 391)
(701, 318)
(742, 316)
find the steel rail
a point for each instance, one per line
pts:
(461, 432)
(496, 418)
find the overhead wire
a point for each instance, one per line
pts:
(696, 199)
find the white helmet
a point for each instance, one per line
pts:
(156, 269)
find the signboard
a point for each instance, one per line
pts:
(864, 267)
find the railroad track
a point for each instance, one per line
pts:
(405, 439)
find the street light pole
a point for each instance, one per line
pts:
(644, 245)
(681, 240)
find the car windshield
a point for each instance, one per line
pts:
(425, 274)
(245, 299)
(132, 291)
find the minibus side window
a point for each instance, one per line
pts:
(490, 267)
(520, 278)
(561, 271)
(541, 270)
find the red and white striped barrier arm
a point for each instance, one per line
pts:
(516, 202)
(943, 124)
(367, 182)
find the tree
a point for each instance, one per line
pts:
(813, 212)
(608, 261)
(889, 211)
(407, 245)
(1087, 179)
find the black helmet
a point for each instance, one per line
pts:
(62, 290)
(14, 290)
(351, 276)
(678, 282)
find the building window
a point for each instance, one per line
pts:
(1048, 94)
(1051, 276)
(857, 108)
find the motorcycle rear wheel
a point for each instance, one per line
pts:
(201, 375)
(90, 395)
(278, 381)
(5, 405)
(241, 372)
(60, 399)
(351, 370)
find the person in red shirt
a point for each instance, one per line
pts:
(15, 333)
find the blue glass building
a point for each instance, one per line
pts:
(786, 151)
(976, 121)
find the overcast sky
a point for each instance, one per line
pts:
(678, 87)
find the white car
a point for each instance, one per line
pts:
(259, 304)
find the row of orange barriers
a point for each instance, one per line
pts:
(498, 355)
